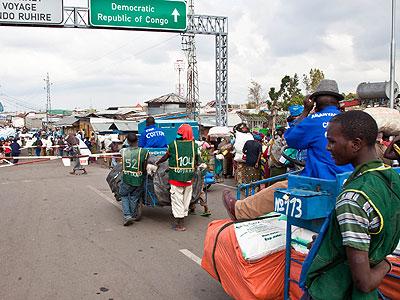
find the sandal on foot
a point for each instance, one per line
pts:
(180, 228)
(205, 214)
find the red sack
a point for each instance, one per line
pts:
(240, 279)
(263, 279)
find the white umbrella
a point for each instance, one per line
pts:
(219, 131)
(7, 132)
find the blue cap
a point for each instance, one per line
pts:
(296, 110)
(257, 137)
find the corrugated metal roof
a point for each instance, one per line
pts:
(169, 98)
(102, 127)
(67, 121)
(210, 120)
(118, 111)
(126, 126)
(247, 117)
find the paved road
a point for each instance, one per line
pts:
(61, 237)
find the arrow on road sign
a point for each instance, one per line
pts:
(176, 14)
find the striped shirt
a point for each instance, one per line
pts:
(357, 220)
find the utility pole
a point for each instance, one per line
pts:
(393, 55)
(1, 105)
(179, 67)
(48, 102)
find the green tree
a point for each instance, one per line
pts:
(274, 95)
(291, 91)
(273, 106)
(349, 96)
(255, 96)
(312, 80)
(251, 105)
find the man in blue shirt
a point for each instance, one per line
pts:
(309, 133)
(152, 137)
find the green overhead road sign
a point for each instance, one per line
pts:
(141, 14)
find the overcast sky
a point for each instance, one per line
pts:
(348, 40)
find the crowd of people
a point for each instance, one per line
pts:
(349, 258)
(252, 155)
(51, 142)
(44, 143)
(319, 140)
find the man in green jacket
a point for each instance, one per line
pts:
(134, 163)
(183, 158)
(365, 225)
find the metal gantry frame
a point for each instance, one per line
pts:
(221, 84)
(217, 26)
(192, 85)
(78, 17)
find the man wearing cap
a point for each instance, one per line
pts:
(152, 137)
(309, 133)
(295, 154)
(295, 112)
(114, 148)
(183, 157)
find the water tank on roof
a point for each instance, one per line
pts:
(376, 90)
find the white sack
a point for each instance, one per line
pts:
(260, 238)
(241, 139)
(388, 119)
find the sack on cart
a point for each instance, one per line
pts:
(261, 279)
(240, 278)
(114, 179)
(157, 188)
(386, 118)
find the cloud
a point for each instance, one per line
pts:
(348, 40)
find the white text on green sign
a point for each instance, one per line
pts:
(146, 14)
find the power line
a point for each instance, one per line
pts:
(27, 105)
(19, 101)
(61, 83)
(104, 55)
(18, 104)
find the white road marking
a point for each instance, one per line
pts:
(192, 256)
(11, 182)
(185, 252)
(5, 166)
(104, 196)
(227, 186)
